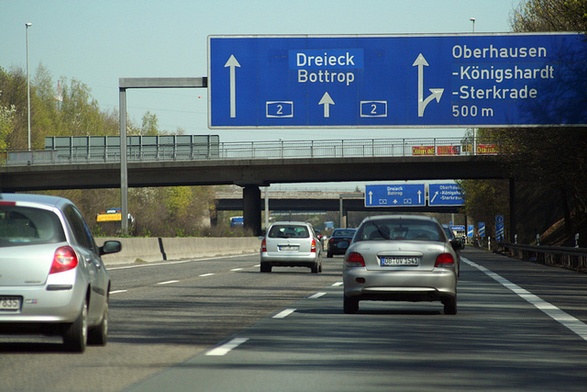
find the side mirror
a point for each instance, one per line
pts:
(110, 247)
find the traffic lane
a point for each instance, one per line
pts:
(565, 289)
(497, 341)
(153, 326)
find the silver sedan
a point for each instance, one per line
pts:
(400, 258)
(52, 279)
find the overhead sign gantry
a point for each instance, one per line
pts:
(464, 80)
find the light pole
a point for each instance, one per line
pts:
(28, 84)
(473, 21)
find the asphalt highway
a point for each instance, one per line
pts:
(220, 325)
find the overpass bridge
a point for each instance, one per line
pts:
(252, 165)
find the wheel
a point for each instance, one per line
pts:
(315, 268)
(265, 267)
(450, 305)
(329, 255)
(75, 336)
(99, 335)
(350, 305)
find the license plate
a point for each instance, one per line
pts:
(9, 304)
(405, 261)
(289, 247)
(342, 245)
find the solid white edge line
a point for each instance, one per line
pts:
(284, 313)
(558, 315)
(226, 347)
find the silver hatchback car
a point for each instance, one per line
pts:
(400, 258)
(52, 279)
(291, 244)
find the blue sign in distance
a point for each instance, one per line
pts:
(395, 195)
(448, 194)
(481, 229)
(464, 80)
(470, 231)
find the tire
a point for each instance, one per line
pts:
(75, 336)
(450, 305)
(265, 267)
(99, 335)
(315, 268)
(350, 305)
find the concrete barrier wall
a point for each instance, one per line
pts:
(140, 250)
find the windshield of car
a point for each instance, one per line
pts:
(26, 226)
(289, 231)
(400, 229)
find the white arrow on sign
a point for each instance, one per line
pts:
(370, 197)
(434, 197)
(419, 197)
(232, 63)
(326, 101)
(436, 93)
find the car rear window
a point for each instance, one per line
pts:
(343, 233)
(27, 226)
(404, 229)
(289, 231)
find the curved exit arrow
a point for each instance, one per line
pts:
(232, 63)
(436, 93)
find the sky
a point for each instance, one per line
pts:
(98, 42)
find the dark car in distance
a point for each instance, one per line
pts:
(339, 241)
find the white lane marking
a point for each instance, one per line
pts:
(560, 316)
(166, 263)
(204, 275)
(118, 291)
(226, 347)
(236, 269)
(337, 284)
(168, 282)
(317, 295)
(284, 313)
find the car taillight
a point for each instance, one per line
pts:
(331, 240)
(264, 245)
(354, 259)
(444, 260)
(64, 259)
(313, 246)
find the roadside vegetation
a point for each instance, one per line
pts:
(548, 164)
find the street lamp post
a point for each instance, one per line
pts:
(473, 21)
(28, 85)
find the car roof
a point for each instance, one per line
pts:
(291, 223)
(398, 217)
(34, 198)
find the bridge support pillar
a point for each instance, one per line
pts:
(252, 208)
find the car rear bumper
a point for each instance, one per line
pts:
(393, 286)
(306, 260)
(40, 305)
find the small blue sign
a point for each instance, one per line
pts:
(499, 228)
(481, 229)
(461, 80)
(395, 195)
(445, 195)
(470, 231)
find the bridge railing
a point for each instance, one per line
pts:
(281, 149)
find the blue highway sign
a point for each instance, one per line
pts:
(464, 80)
(448, 194)
(395, 195)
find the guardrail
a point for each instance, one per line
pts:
(256, 150)
(565, 257)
